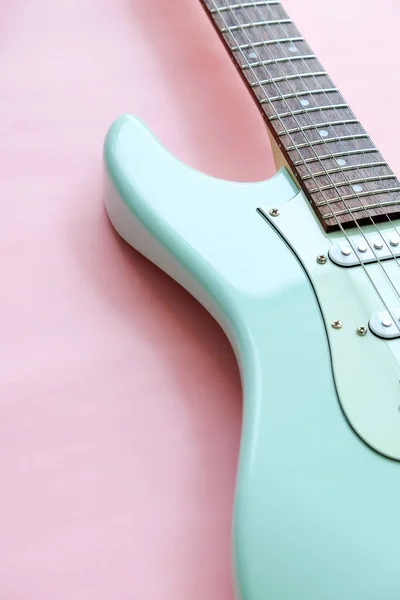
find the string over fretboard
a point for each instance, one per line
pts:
(333, 158)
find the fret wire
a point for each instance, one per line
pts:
(352, 182)
(341, 138)
(317, 125)
(348, 168)
(334, 155)
(244, 5)
(363, 208)
(299, 94)
(274, 61)
(289, 78)
(307, 110)
(267, 43)
(255, 24)
(358, 195)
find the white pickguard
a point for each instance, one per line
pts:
(366, 368)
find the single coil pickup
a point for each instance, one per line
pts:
(386, 324)
(357, 250)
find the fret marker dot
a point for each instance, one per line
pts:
(293, 48)
(357, 188)
(252, 54)
(323, 132)
(341, 162)
(304, 102)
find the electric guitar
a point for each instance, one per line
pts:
(302, 271)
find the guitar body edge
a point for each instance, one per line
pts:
(315, 509)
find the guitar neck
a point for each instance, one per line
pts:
(343, 174)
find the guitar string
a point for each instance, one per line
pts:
(299, 124)
(334, 109)
(341, 142)
(339, 195)
(307, 115)
(333, 183)
(335, 217)
(220, 13)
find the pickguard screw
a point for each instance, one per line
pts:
(337, 324)
(362, 330)
(274, 212)
(321, 259)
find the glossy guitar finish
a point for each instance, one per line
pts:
(317, 510)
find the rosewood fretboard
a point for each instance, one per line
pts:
(343, 174)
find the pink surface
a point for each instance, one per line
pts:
(120, 400)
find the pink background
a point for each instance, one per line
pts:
(120, 400)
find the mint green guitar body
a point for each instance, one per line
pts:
(317, 509)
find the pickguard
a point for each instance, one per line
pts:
(366, 368)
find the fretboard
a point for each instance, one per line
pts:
(335, 162)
